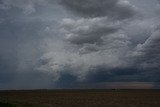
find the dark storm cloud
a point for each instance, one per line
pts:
(148, 53)
(98, 41)
(22, 32)
(19, 51)
(88, 30)
(44, 46)
(115, 9)
(94, 47)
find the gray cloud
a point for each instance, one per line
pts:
(28, 6)
(87, 58)
(88, 30)
(23, 40)
(148, 53)
(96, 45)
(102, 41)
(115, 9)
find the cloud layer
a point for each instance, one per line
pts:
(68, 43)
(116, 9)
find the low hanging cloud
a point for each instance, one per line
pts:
(88, 30)
(68, 43)
(95, 43)
(148, 53)
(86, 54)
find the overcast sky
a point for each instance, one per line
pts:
(79, 43)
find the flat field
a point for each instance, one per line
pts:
(80, 98)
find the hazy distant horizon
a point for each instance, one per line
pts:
(99, 86)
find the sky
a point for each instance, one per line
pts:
(50, 44)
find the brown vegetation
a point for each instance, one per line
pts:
(81, 98)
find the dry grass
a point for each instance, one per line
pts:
(81, 98)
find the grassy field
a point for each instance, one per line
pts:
(80, 98)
